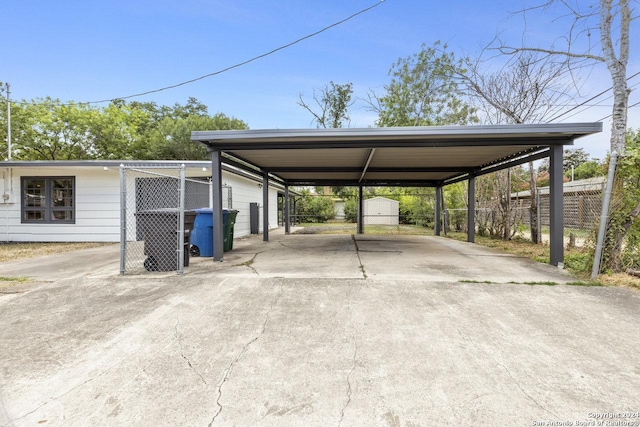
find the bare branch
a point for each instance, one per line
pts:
(509, 50)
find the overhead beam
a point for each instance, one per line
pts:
(356, 169)
(370, 183)
(517, 162)
(397, 135)
(236, 145)
(366, 166)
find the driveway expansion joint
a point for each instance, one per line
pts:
(355, 242)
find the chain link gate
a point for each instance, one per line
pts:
(156, 216)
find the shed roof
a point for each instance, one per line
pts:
(426, 155)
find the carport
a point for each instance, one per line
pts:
(433, 156)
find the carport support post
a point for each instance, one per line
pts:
(286, 209)
(265, 206)
(556, 225)
(218, 226)
(360, 211)
(437, 220)
(471, 210)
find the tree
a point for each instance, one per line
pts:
(171, 138)
(52, 130)
(333, 103)
(529, 89)
(573, 158)
(423, 91)
(589, 169)
(48, 129)
(623, 235)
(311, 208)
(612, 19)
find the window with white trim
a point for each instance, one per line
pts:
(49, 200)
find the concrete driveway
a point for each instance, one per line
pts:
(317, 330)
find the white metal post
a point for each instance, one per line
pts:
(123, 220)
(180, 252)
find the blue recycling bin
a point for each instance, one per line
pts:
(202, 232)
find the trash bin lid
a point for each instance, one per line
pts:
(203, 211)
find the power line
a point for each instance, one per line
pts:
(600, 105)
(589, 100)
(240, 64)
(629, 107)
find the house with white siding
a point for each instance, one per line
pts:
(80, 201)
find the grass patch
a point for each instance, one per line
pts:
(509, 283)
(620, 279)
(587, 283)
(244, 264)
(543, 283)
(7, 282)
(13, 251)
(14, 279)
(351, 228)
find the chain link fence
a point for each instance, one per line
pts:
(156, 216)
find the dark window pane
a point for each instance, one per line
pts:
(32, 215)
(62, 192)
(61, 215)
(34, 192)
(48, 200)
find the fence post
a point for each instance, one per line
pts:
(606, 200)
(180, 252)
(123, 220)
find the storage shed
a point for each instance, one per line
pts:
(381, 211)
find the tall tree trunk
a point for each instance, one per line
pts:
(618, 224)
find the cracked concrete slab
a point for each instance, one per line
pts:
(309, 341)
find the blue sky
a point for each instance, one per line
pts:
(90, 50)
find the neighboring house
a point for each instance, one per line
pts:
(381, 211)
(79, 201)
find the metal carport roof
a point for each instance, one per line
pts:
(430, 155)
(399, 156)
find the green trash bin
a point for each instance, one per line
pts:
(229, 222)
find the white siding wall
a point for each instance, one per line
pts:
(97, 196)
(245, 191)
(98, 205)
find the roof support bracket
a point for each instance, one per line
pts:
(366, 166)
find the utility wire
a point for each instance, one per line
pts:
(600, 104)
(240, 64)
(629, 107)
(589, 100)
